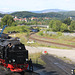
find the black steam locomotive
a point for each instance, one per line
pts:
(13, 54)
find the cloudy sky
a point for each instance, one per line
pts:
(35, 5)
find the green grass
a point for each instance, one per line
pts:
(36, 58)
(65, 59)
(20, 29)
(56, 38)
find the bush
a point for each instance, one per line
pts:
(59, 33)
(41, 33)
(17, 29)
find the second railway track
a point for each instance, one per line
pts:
(60, 66)
(49, 42)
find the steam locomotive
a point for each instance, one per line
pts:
(13, 54)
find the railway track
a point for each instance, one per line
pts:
(60, 66)
(44, 41)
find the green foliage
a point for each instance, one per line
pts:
(41, 33)
(64, 27)
(0, 24)
(67, 21)
(72, 26)
(59, 33)
(18, 28)
(57, 25)
(51, 24)
(7, 20)
(14, 24)
(25, 29)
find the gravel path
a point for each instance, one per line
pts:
(58, 52)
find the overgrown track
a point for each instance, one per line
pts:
(44, 41)
(61, 67)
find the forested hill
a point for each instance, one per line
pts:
(30, 14)
(55, 15)
(24, 14)
(68, 14)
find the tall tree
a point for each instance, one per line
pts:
(64, 27)
(72, 26)
(7, 20)
(67, 21)
(57, 25)
(51, 23)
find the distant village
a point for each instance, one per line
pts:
(26, 19)
(32, 18)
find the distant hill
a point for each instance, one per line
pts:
(24, 14)
(49, 10)
(68, 14)
(52, 13)
(27, 14)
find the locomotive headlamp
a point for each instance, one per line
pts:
(9, 61)
(13, 60)
(26, 59)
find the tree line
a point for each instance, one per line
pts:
(54, 25)
(63, 26)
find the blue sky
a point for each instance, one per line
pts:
(35, 5)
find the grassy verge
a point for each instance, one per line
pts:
(44, 45)
(59, 38)
(65, 59)
(36, 58)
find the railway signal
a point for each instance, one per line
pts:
(45, 52)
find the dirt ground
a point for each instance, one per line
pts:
(64, 53)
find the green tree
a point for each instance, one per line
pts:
(7, 20)
(0, 24)
(64, 27)
(27, 30)
(51, 23)
(67, 21)
(72, 26)
(14, 24)
(56, 25)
